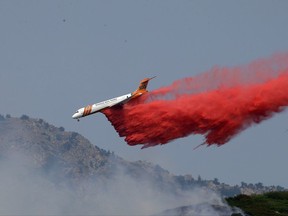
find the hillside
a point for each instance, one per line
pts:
(73, 155)
(269, 204)
(46, 154)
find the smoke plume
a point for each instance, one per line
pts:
(217, 104)
(28, 191)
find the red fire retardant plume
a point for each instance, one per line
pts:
(218, 104)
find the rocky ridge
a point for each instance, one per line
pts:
(76, 159)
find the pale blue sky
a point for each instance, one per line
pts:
(57, 56)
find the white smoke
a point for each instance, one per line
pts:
(26, 191)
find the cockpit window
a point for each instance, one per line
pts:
(77, 111)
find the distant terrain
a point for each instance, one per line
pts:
(269, 204)
(89, 180)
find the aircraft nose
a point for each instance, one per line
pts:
(76, 115)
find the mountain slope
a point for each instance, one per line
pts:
(37, 155)
(76, 158)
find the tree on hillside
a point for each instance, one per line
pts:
(24, 117)
(62, 129)
(243, 184)
(216, 181)
(259, 185)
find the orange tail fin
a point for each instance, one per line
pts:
(142, 87)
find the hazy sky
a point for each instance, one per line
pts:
(57, 56)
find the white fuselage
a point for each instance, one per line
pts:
(90, 109)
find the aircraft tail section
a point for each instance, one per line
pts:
(142, 87)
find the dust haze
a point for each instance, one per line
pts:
(28, 190)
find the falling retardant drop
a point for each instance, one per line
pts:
(217, 104)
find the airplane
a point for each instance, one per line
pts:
(98, 107)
